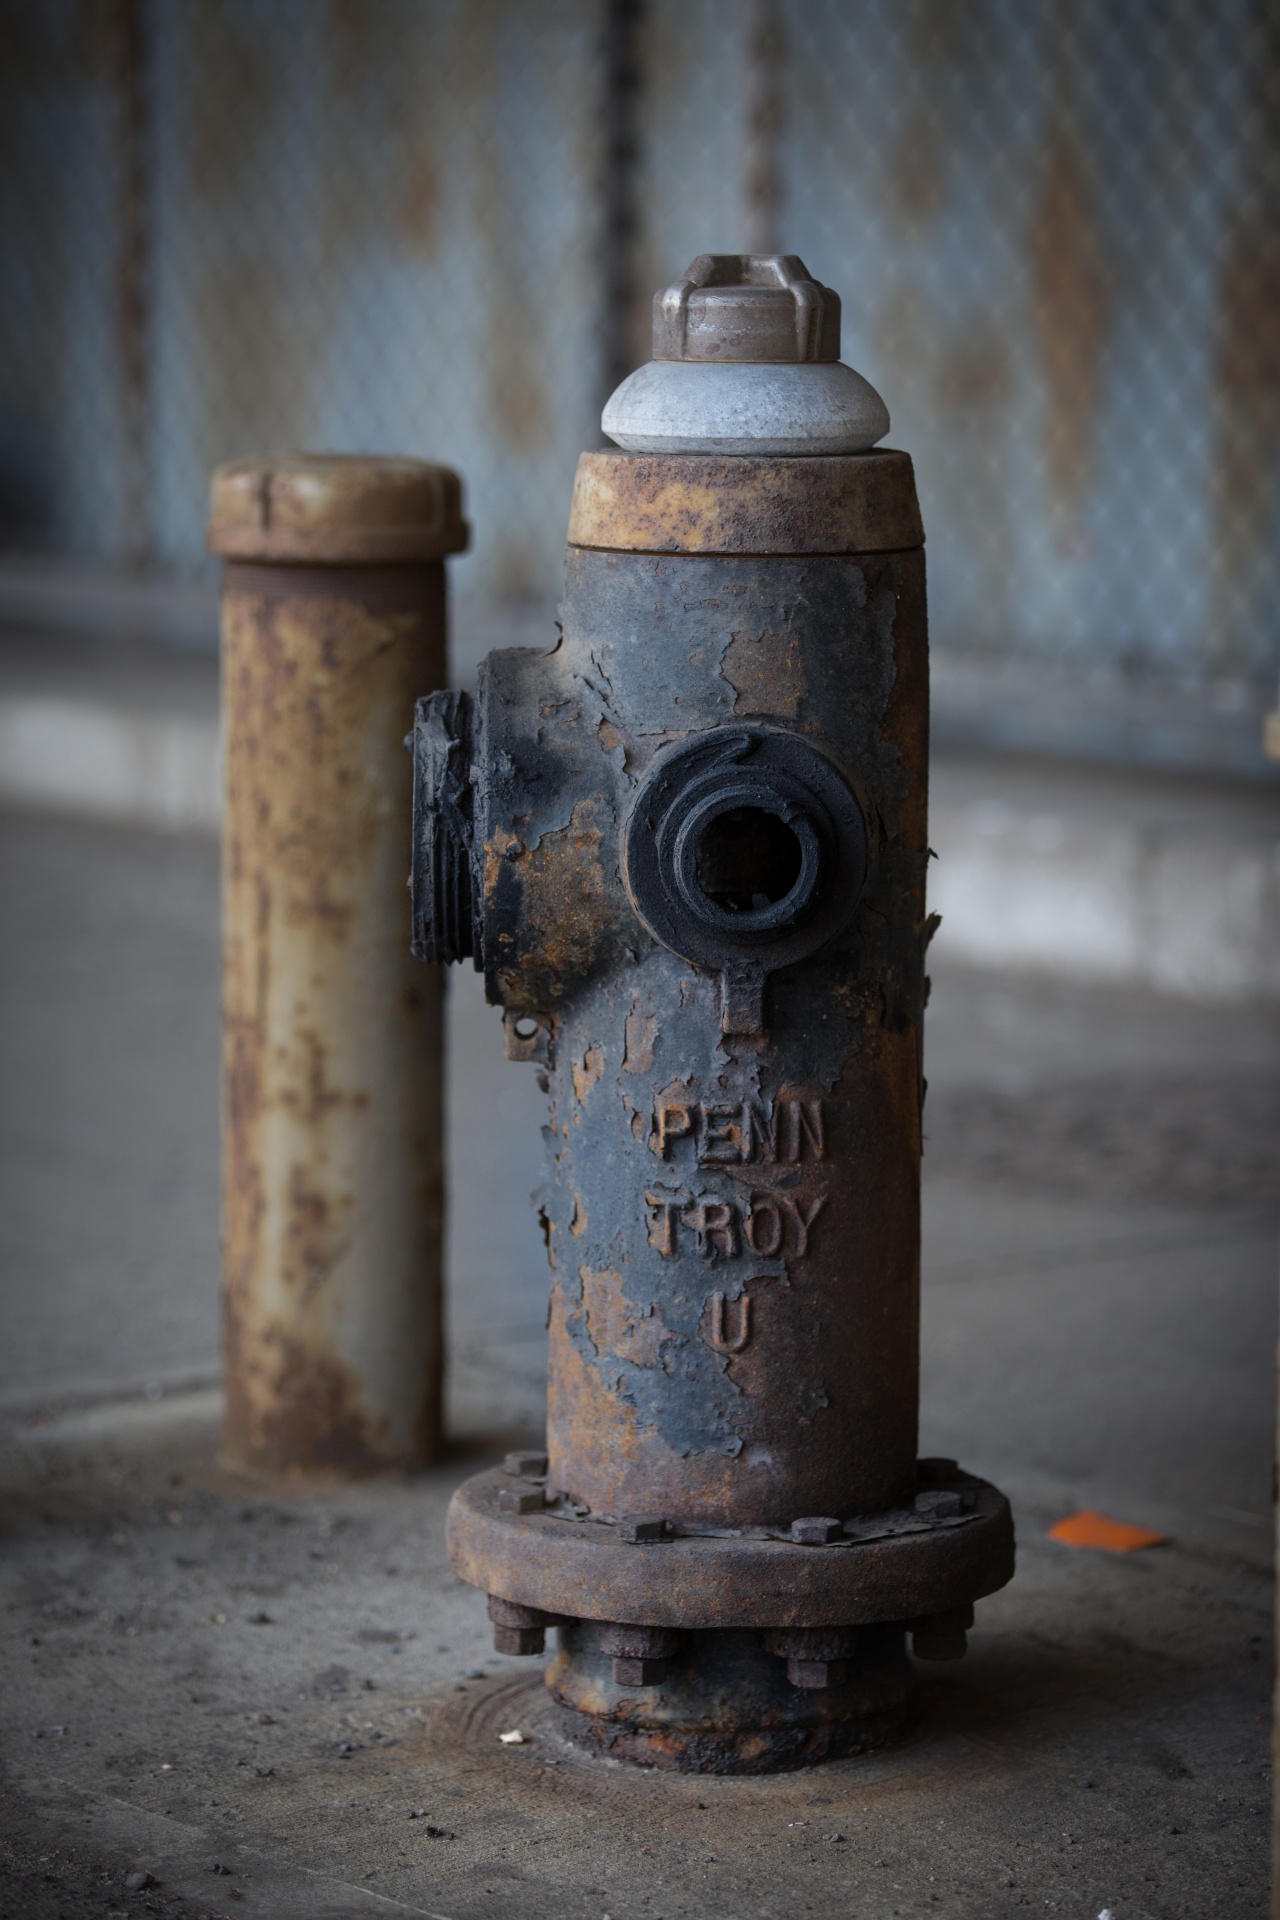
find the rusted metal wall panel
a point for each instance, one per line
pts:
(376, 231)
(1055, 229)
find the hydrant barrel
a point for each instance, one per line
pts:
(333, 618)
(733, 1302)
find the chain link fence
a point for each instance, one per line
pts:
(434, 226)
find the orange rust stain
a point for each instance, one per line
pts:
(314, 1417)
(1071, 307)
(841, 504)
(587, 1071)
(602, 1455)
(1248, 378)
(641, 1038)
(578, 1224)
(614, 1326)
(917, 175)
(766, 672)
(564, 906)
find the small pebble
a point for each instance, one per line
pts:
(139, 1879)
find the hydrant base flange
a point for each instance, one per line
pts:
(726, 1705)
(889, 1567)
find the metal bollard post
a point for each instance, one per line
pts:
(333, 618)
(687, 846)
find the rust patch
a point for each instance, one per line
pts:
(766, 673)
(564, 906)
(641, 1037)
(1248, 383)
(615, 1327)
(314, 1416)
(598, 1447)
(587, 1071)
(649, 503)
(1071, 299)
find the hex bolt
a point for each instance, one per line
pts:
(518, 1629)
(521, 1500)
(639, 1654)
(939, 1503)
(941, 1636)
(530, 1466)
(816, 1657)
(642, 1527)
(814, 1674)
(816, 1530)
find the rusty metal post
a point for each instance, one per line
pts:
(687, 847)
(333, 617)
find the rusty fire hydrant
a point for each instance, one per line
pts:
(686, 847)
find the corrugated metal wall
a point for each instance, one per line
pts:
(232, 225)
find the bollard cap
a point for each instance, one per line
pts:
(335, 509)
(746, 306)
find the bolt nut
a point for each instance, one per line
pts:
(519, 1639)
(939, 1503)
(521, 1500)
(816, 1531)
(814, 1674)
(518, 1629)
(623, 1641)
(811, 1643)
(640, 1527)
(629, 1672)
(941, 1636)
(528, 1466)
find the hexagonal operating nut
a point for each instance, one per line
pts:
(761, 307)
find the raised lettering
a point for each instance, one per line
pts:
(660, 1222)
(713, 1224)
(803, 1216)
(719, 1135)
(763, 1225)
(671, 1120)
(802, 1124)
(723, 1338)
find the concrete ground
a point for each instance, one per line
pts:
(224, 1698)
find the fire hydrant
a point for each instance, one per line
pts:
(686, 847)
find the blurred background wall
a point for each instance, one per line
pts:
(434, 226)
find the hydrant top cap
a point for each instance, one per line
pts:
(761, 307)
(335, 509)
(746, 363)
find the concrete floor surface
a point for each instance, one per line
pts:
(289, 1684)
